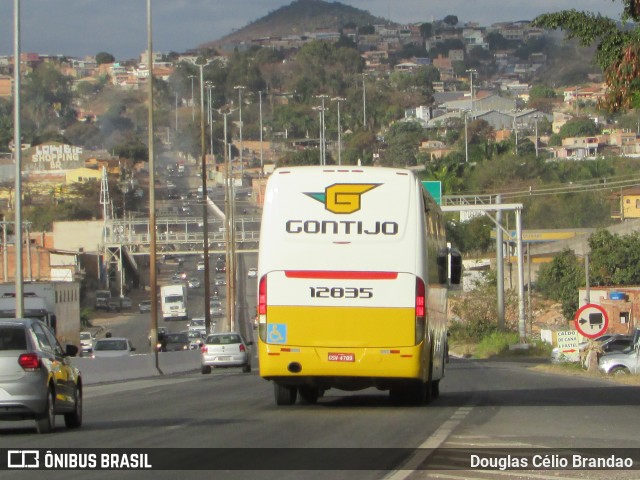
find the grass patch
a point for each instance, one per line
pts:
(496, 344)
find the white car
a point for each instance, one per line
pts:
(252, 273)
(86, 342)
(197, 324)
(200, 266)
(216, 309)
(225, 350)
(112, 347)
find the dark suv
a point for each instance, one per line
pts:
(36, 377)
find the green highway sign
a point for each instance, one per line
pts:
(435, 190)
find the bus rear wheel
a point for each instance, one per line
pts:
(416, 393)
(285, 395)
(308, 395)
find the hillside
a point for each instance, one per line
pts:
(299, 17)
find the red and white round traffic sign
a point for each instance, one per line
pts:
(591, 320)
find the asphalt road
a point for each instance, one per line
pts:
(483, 406)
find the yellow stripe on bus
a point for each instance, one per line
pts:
(344, 326)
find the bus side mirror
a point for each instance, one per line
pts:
(53, 323)
(449, 264)
(456, 266)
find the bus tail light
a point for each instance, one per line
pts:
(262, 308)
(421, 310)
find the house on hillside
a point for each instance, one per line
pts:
(626, 204)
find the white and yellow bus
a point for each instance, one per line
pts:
(353, 276)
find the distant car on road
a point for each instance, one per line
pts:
(37, 380)
(216, 309)
(144, 306)
(125, 303)
(200, 266)
(174, 342)
(112, 347)
(197, 324)
(252, 273)
(193, 282)
(161, 331)
(86, 342)
(225, 350)
(196, 338)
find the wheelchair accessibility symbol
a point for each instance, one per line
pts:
(277, 333)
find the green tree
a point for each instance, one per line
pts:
(451, 20)
(579, 127)
(47, 98)
(561, 279)
(614, 258)
(497, 41)
(426, 30)
(6, 125)
(617, 48)
(541, 91)
(104, 57)
(403, 141)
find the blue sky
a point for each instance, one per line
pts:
(86, 27)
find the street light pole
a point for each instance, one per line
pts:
(536, 119)
(210, 86)
(338, 100)
(466, 141)
(228, 217)
(364, 103)
(240, 88)
(261, 147)
(193, 107)
(472, 72)
(205, 224)
(323, 144)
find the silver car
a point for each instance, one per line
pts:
(86, 342)
(112, 347)
(37, 380)
(620, 363)
(225, 350)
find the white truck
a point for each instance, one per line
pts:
(34, 307)
(48, 301)
(173, 300)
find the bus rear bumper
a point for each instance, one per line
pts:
(343, 368)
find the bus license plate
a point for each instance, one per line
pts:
(342, 357)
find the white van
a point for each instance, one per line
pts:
(353, 275)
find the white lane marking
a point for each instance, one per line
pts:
(427, 447)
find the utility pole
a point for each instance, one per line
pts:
(17, 154)
(153, 281)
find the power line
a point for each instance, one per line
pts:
(573, 187)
